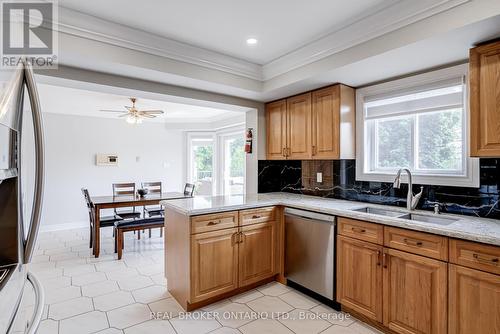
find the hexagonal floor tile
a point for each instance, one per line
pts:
(151, 294)
(84, 323)
(151, 326)
(129, 315)
(113, 300)
(70, 308)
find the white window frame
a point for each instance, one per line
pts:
(190, 136)
(470, 177)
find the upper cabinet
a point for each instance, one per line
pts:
(314, 125)
(485, 100)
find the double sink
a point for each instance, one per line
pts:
(409, 216)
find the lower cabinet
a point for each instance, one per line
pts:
(257, 252)
(405, 292)
(359, 276)
(415, 293)
(214, 263)
(227, 259)
(474, 301)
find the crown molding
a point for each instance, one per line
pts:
(86, 26)
(390, 18)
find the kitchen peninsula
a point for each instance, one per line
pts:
(223, 245)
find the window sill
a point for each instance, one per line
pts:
(471, 180)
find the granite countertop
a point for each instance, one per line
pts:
(464, 227)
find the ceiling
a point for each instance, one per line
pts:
(224, 25)
(72, 101)
(303, 45)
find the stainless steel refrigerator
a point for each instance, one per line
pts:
(21, 190)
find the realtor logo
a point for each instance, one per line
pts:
(27, 33)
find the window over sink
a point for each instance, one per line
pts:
(420, 123)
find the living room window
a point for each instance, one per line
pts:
(420, 123)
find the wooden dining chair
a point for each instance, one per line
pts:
(105, 221)
(125, 189)
(189, 189)
(153, 210)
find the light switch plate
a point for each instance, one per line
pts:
(319, 177)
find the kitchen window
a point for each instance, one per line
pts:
(419, 123)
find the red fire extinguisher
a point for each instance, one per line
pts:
(248, 142)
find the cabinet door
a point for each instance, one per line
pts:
(326, 123)
(485, 100)
(276, 130)
(415, 293)
(299, 126)
(359, 276)
(257, 252)
(214, 263)
(474, 301)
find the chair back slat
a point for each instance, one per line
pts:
(123, 189)
(152, 187)
(189, 189)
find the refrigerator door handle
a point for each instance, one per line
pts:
(39, 304)
(39, 162)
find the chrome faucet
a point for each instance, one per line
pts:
(411, 200)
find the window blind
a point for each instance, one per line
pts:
(442, 95)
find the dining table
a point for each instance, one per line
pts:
(112, 202)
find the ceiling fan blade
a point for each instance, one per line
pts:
(107, 110)
(159, 112)
(124, 114)
(147, 116)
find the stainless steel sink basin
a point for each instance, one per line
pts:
(377, 211)
(411, 216)
(428, 219)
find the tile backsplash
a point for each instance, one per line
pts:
(339, 181)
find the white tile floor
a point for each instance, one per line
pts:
(106, 296)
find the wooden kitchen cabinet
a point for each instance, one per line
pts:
(299, 140)
(257, 252)
(214, 263)
(484, 76)
(415, 293)
(313, 125)
(474, 301)
(276, 130)
(359, 276)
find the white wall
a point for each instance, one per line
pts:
(71, 143)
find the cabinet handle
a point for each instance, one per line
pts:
(378, 258)
(313, 150)
(256, 217)
(384, 260)
(233, 238)
(284, 151)
(358, 230)
(480, 258)
(241, 237)
(213, 222)
(411, 242)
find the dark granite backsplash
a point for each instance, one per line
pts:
(339, 181)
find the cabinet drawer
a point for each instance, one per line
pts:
(255, 216)
(214, 222)
(425, 244)
(475, 255)
(361, 230)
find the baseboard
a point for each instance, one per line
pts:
(66, 226)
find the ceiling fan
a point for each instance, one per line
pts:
(134, 115)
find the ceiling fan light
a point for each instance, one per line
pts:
(131, 119)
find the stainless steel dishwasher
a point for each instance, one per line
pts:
(310, 251)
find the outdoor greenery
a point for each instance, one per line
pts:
(439, 141)
(236, 148)
(204, 159)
